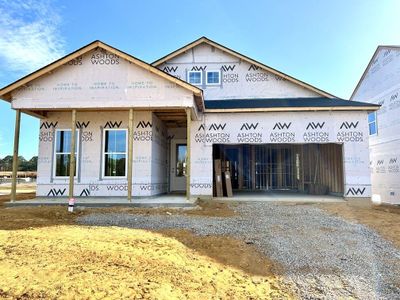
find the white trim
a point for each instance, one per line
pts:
(103, 153)
(76, 154)
(219, 77)
(201, 77)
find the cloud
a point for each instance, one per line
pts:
(29, 34)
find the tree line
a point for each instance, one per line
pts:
(23, 164)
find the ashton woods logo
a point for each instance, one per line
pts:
(349, 125)
(48, 125)
(315, 125)
(170, 69)
(281, 126)
(355, 192)
(249, 126)
(111, 124)
(213, 126)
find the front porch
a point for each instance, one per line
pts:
(166, 200)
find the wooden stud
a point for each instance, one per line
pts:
(130, 154)
(188, 120)
(72, 154)
(15, 156)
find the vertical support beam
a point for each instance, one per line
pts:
(15, 156)
(72, 155)
(130, 153)
(188, 125)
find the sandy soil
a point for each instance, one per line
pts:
(384, 219)
(97, 262)
(21, 188)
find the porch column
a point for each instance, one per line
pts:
(130, 153)
(15, 156)
(188, 124)
(72, 155)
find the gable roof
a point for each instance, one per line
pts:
(282, 104)
(243, 57)
(378, 49)
(5, 92)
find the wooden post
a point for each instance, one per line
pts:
(130, 152)
(188, 124)
(15, 156)
(72, 155)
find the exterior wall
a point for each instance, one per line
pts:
(100, 79)
(239, 78)
(149, 155)
(347, 128)
(381, 85)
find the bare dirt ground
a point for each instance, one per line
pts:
(384, 219)
(92, 262)
(44, 254)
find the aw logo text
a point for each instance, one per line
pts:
(198, 68)
(349, 125)
(253, 68)
(213, 126)
(249, 126)
(281, 126)
(170, 69)
(56, 192)
(111, 124)
(82, 125)
(48, 125)
(143, 124)
(355, 191)
(228, 68)
(315, 125)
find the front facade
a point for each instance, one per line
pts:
(380, 84)
(146, 130)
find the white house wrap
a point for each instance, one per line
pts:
(271, 131)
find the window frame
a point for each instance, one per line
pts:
(201, 77)
(219, 77)
(375, 121)
(103, 153)
(76, 154)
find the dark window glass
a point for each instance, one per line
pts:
(115, 165)
(180, 160)
(63, 153)
(115, 153)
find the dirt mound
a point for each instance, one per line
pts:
(97, 262)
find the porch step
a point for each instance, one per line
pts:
(31, 203)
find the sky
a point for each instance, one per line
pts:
(327, 44)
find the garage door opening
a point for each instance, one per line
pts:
(306, 168)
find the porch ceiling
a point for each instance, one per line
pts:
(172, 119)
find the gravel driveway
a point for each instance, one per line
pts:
(324, 256)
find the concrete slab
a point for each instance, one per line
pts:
(171, 200)
(279, 196)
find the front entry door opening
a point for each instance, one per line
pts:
(178, 165)
(308, 168)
